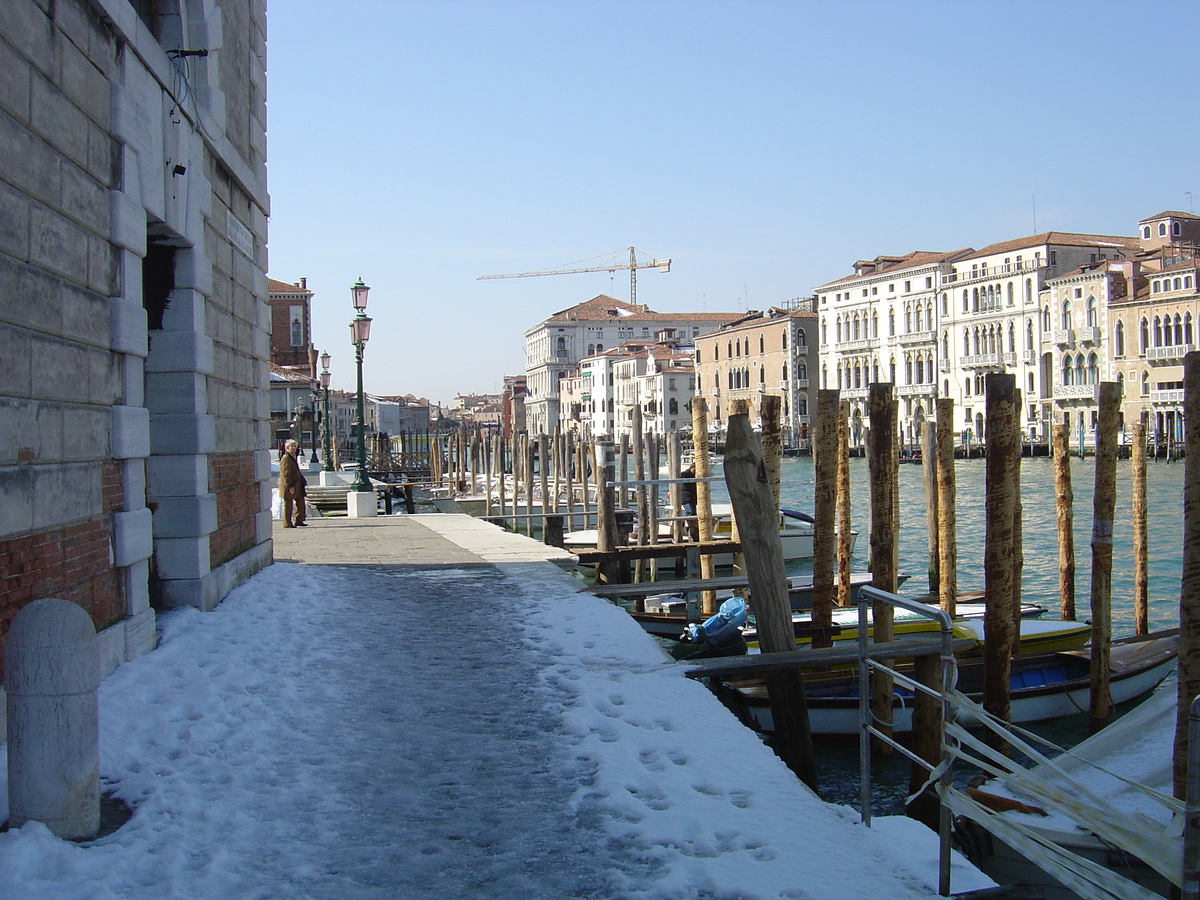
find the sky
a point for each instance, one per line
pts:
(763, 147)
(357, 749)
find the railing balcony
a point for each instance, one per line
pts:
(784, 385)
(800, 350)
(918, 337)
(1009, 359)
(944, 365)
(803, 420)
(981, 361)
(1172, 396)
(1089, 334)
(1077, 392)
(801, 382)
(1029, 356)
(865, 344)
(854, 393)
(916, 390)
(1064, 337)
(1174, 351)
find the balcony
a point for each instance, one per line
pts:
(1009, 359)
(1172, 352)
(800, 350)
(851, 346)
(982, 361)
(1077, 392)
(944, 365)
(1089, 335)
(854, 393)
(801, 383)
(917, 337)
(916, 390)
(1064, 337)
(784, 385)
(1173, 397)
(1029, 357)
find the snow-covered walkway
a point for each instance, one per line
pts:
(450, 732)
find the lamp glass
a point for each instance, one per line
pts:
(359, 292)
(325, 357)
(325, 379)
(360, 330)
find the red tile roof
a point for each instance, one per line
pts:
(282, 287)
(1057, 238)
(603, 308)
(913, 260)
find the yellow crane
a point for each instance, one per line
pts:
(663, 265)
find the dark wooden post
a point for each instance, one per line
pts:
(606, 517)
(1104, 504)
(884, 462)
(703, 497)
(843, 503)
(772, 442)
(1141, 572)
(543, 461)
(929, 462)
(825, 471)
(639, 493)
(947, 490)
(1065, 504)
(999, 560)
(750, 494)
(1189, 594)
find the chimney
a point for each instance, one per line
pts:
(304, 284)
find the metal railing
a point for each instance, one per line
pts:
(866, 596)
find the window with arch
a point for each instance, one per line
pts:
(673, 407)
(966, 342)
(1065, 315)
(974, 299)
(1030, 391)
(966, 301)
(1029, 334)
(784, 338)
(1144, 337)
(1119, 339)
(1045, 318)
(857, 333)
(908, 370)
(783, 373)
(1162, 229)
(1146, 231)
(1067, 371)
(874, 324)
(824, 332)
(1080, 370)
(1176, 229)
(1012, 338)
(716, 350)
(839, 329)
(1090, 313)
(1145, 383)
(1093, 369)
(907, 319)
(891, 323)
(801, 370)
(762, 344)
(1176, 284)
(945, 304)
(1028, 290)
(825, 377)
(801, 340)
(1187, 328)
(1157, 334)
(1010, 294)
(945, 345)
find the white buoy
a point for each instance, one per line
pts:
(51, 673)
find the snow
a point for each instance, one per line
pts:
(389, 732)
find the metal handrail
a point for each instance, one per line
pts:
(867, 595)
(1190, 880)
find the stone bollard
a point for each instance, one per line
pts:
(51, 673)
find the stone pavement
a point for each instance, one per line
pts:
(419, 540)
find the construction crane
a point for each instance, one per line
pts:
(663, 265)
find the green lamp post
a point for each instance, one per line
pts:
(328, 464)
(360, 333)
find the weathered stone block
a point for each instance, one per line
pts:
(64, 492)
(193, 270)
(177, 558)
(133, 481)
(85, 317)
(132, 536)
(57, 245)
(130, 430)
(185, 311)
(16, 355)
(14, 86)
(127, 326)
(176, 392)
(60, 123)
(85, 432)
(14, 222)
(128, 223)
(16, 499)
(140, 633)
(180, 351)
(182, 434)
(177, 476)
(180, 517)
(63, 369)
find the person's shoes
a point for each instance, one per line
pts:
(301, 525)
(286, 525)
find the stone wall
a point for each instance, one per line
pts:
(134, 329)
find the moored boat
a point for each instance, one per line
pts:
(1042, 686)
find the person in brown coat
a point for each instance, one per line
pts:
(292, 486)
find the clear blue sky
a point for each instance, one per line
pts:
(762, 146)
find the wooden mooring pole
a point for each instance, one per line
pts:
(825, 539)
(1189, 594)
(947, 525)
(753, 505)
(883, 464)
(843, 503)
(1065, 505)
(708, 567)
(1141, 571)
(1104, 504)
(929, 463)
(999, 560)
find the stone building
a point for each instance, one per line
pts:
(775, 352)
(554, 347)
(134, 329)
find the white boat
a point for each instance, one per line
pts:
(1043, 686)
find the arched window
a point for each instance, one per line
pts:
(1187, 328)
(920, 369)
(857, 333)
(783, 338)
(1093, 370)
(1157, 334)
(1176, 229)
(1146, 232)
(1178, 329)
(1010, 294)
(1119, 339)
(716, 350)
(1162, 229)
(1080, 370)
(1066, 370)
(874, 324)
(965, 301)
(729, 348)
(1045, 318)
(1030, 391)
(802, 370)
(599, 348)
(1091, 313)
(974, 299)
(945, 345)
(1065, 315)
(1012, 338)
(945, 304)
(907, 319)
(1144, 337)
(562, 343)
(908, 370)
(801, 339)
(673, 407)
(891, 322)
(825, 377)
(1028, 334)
(1145, 383)
(762, 344)
(966, 342)
(1028, 290)
(762, 375)
(592, 350)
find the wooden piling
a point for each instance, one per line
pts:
(883, 462)
(1189, 594)
(947, 525)
(1104, 503)
(844, 535)
(1141, 571)
(772, 442)
(623, 464)
(999, 561)
(750, 494)
(1065, 505)
(825, 539)
(643, 509)
(527, 447)
(674, 492)
(929, 462)
(708, 567)
(543, 457)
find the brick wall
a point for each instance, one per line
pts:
(231, 478)
(69, 562)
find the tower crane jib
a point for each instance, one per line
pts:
(663, 265)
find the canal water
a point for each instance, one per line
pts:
(838, 760)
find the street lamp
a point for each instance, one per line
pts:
(328, 466)
(360, 333)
